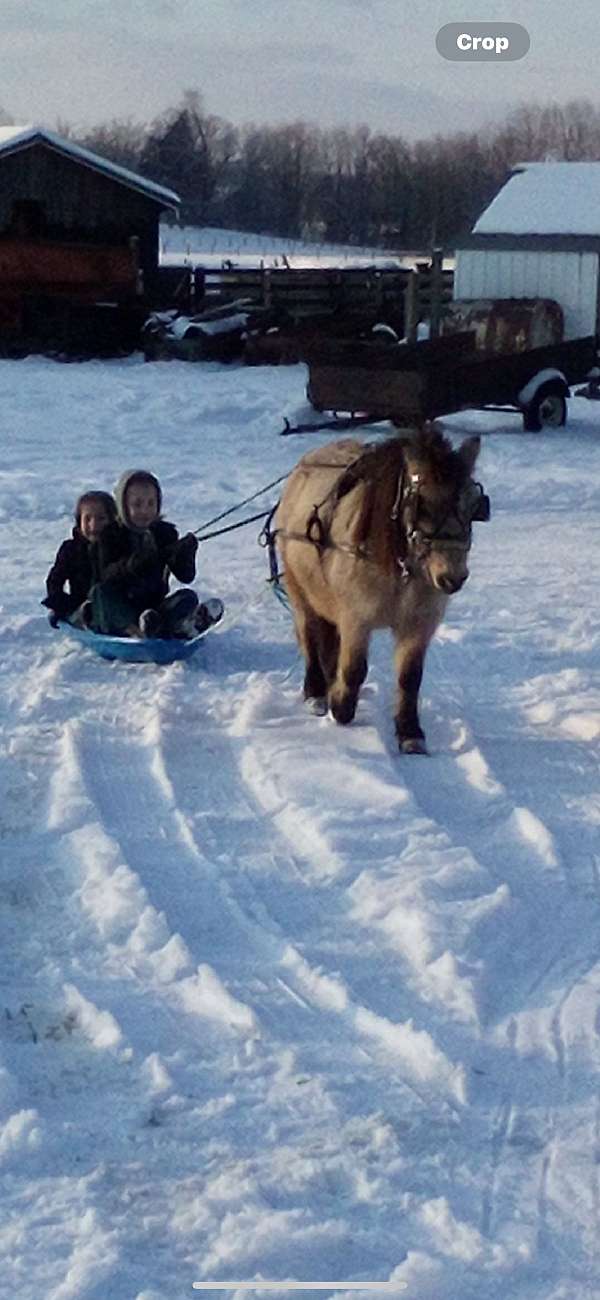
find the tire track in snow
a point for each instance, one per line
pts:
(151, 781)
(477, 811)
(308, 888)
(554, 913)
(236, 938)
(112, 763)
(270, 883)
(596, 1165)
(499, 1131)
(558, 1041)
(126, 783)
(471, 782)
(365, 844)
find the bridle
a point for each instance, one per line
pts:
(415, 543)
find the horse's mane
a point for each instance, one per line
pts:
(428, 447)
(380, 468)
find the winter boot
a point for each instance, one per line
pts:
(83, 616)
(209, 612)
(149, 623)
(178, 612)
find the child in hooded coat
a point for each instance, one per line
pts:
(136, 555)
(76, 564)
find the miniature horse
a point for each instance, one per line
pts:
(375, 536)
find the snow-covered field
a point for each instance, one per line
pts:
(276, 1002)
(211, 247)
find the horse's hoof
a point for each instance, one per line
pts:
(316, 706)
(413, 745)
(343, 713)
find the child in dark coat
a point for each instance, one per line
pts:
(136, 555)
(76, 562)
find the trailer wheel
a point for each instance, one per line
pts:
(548, 409)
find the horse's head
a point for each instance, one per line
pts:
(436, 504)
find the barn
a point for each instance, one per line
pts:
(79, 244)
(539, 238)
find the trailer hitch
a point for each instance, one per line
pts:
(351, 422)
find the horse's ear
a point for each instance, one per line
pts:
(469, 451)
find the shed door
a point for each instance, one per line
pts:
(570, 278)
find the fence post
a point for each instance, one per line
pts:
(436, 292)
(198, 287)
(411, 311)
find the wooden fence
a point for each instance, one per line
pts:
(400, 296)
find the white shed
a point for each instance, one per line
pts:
(539, 238)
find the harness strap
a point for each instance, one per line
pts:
(325, 544)
(316, 533)
(266, 538)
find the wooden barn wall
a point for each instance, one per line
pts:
(79, 203)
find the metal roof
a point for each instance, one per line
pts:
(15, 138)
(546, 198)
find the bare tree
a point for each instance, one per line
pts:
(121, 141)
(346, 187)
(350, 184)
(391, 185)
(189, 151)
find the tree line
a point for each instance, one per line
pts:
(335, 184)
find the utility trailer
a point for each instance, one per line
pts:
(407, 383)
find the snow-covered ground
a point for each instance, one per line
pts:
(276, 1002)
(211, 248)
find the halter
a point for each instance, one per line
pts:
(472, 504)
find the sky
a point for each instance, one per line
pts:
(332, 62)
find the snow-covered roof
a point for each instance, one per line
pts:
(546, 198)
(13, 138)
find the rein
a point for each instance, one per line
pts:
(231, 510)
(230, 528)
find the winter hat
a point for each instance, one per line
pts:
(128, 477)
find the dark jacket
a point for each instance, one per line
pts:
(76, 563)
(139, 563)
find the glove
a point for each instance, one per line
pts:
(187, 546)
(60, 606)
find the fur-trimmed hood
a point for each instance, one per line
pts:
(121, 488)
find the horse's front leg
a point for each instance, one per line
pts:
(409, 659)
(306, 624)
(351, 671)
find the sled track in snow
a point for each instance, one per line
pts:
(209, 860)
(224, 857)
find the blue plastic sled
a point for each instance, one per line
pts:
(152, 650)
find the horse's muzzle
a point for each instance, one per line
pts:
(450, 583)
